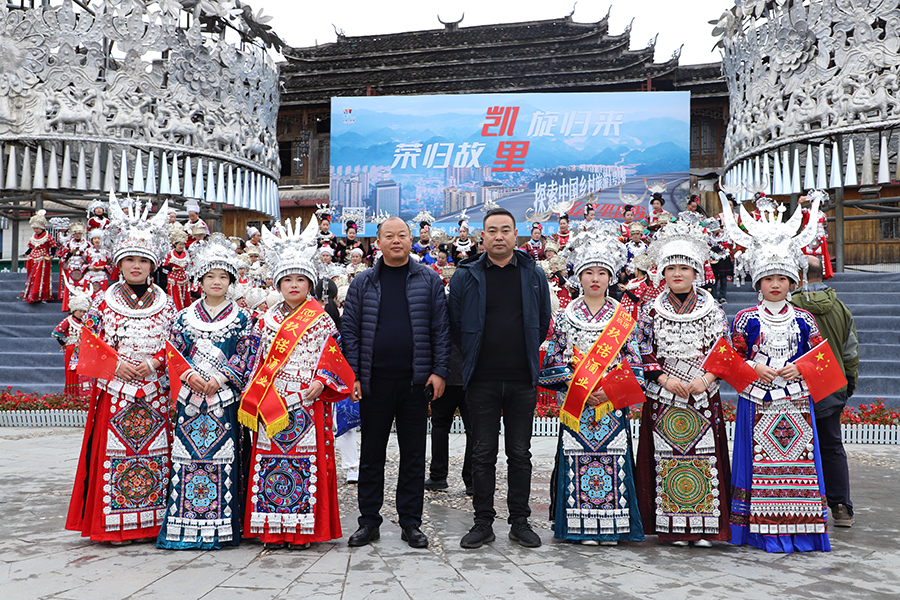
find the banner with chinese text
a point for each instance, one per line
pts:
(528, 153)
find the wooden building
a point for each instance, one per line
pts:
(557, 55)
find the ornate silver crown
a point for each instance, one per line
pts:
(683, 242)
(773, 247)
(78, 300)
(289, 251)
(596, 244)
(217, 252)
(131, 233)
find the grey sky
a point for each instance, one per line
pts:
(305, 23)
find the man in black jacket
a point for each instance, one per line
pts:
(499, 316)
(395, 336)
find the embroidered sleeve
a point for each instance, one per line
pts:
(643, 331)
(555, 372)
(238, 367)
(61, 332)
(631, 352)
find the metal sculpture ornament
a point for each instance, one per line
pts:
(92, 72)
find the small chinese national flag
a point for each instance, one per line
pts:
(726, 364)
(821, 371)
(95, 357)
(622, 387)
(333, 366)
(177, 365)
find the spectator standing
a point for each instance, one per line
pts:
(396, 338)
(500, 314)
(835, 323)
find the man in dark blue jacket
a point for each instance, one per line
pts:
(499, 316)
(396, 337)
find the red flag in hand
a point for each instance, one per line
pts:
(821, 371)
(622, 387)
(725, 363)
(177, 365)
(334, 369)
(95, 357)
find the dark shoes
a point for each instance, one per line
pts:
(470, 490)
(841, 517)
(525, 535)
(479, 535)
(363, 536)
(413, 536)
(436, 485)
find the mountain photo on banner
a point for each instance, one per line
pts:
(528, 153)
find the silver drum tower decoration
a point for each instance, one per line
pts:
(799, 73)
(146, 97)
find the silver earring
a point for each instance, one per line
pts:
(759, 295)
(788, 297)
(308, 297)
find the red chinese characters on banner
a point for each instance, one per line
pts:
(501, 121)
(511, 156)
(502, 116)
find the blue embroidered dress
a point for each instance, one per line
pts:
(204, 505)
(595, 496)
(778, 494)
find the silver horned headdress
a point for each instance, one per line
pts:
(131, 233)
(217, 252)
(596, 244)
(292, 251)
(774, 247)
(682, 242)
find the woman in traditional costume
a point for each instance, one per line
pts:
(214, 336)
(298, 373)
(68, 334)
(176, 264)
(96, 213)
(658, 217)
(779, 493)
(41, 247)
(683, 480)
(97, 257)
(123, 471)
(593, 492)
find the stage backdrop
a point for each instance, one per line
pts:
(528, 153)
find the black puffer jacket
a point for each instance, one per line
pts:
(428, 318)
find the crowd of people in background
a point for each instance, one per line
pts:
(474, 323)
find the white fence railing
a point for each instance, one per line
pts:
(852, 434)
(543, 426)
(43, 418)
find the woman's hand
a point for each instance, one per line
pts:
(677, 387)
(313, 391)
(197, 384)
(789, 372)
(126, 372)
(767, 374)
(212, 386)
(597, 397)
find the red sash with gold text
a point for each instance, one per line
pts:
(590, 367)
(261, 400)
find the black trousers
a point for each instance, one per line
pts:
(442, 411)
(515, 402)
(387, 400)
(834, 460)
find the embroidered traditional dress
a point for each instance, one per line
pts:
(595, 495)
(535, 249)
(123, 471)
(204, 508)
(819, 245)
(778, 493)
(62, 243)
(179, 286)
(637, 293)
(659, 218)
(68, 334)
(561, 238)
(38, 268)
(72, 254)
(462, 249)
(292, 495)
(97, 257)
(683, 475)
(96, 222)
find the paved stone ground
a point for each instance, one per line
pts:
(38, 559)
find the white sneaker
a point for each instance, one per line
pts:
(703, 544)
(590, 543)
(681, 543)
(353, 476)
(609, 543)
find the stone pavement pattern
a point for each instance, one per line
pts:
(38, 559)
